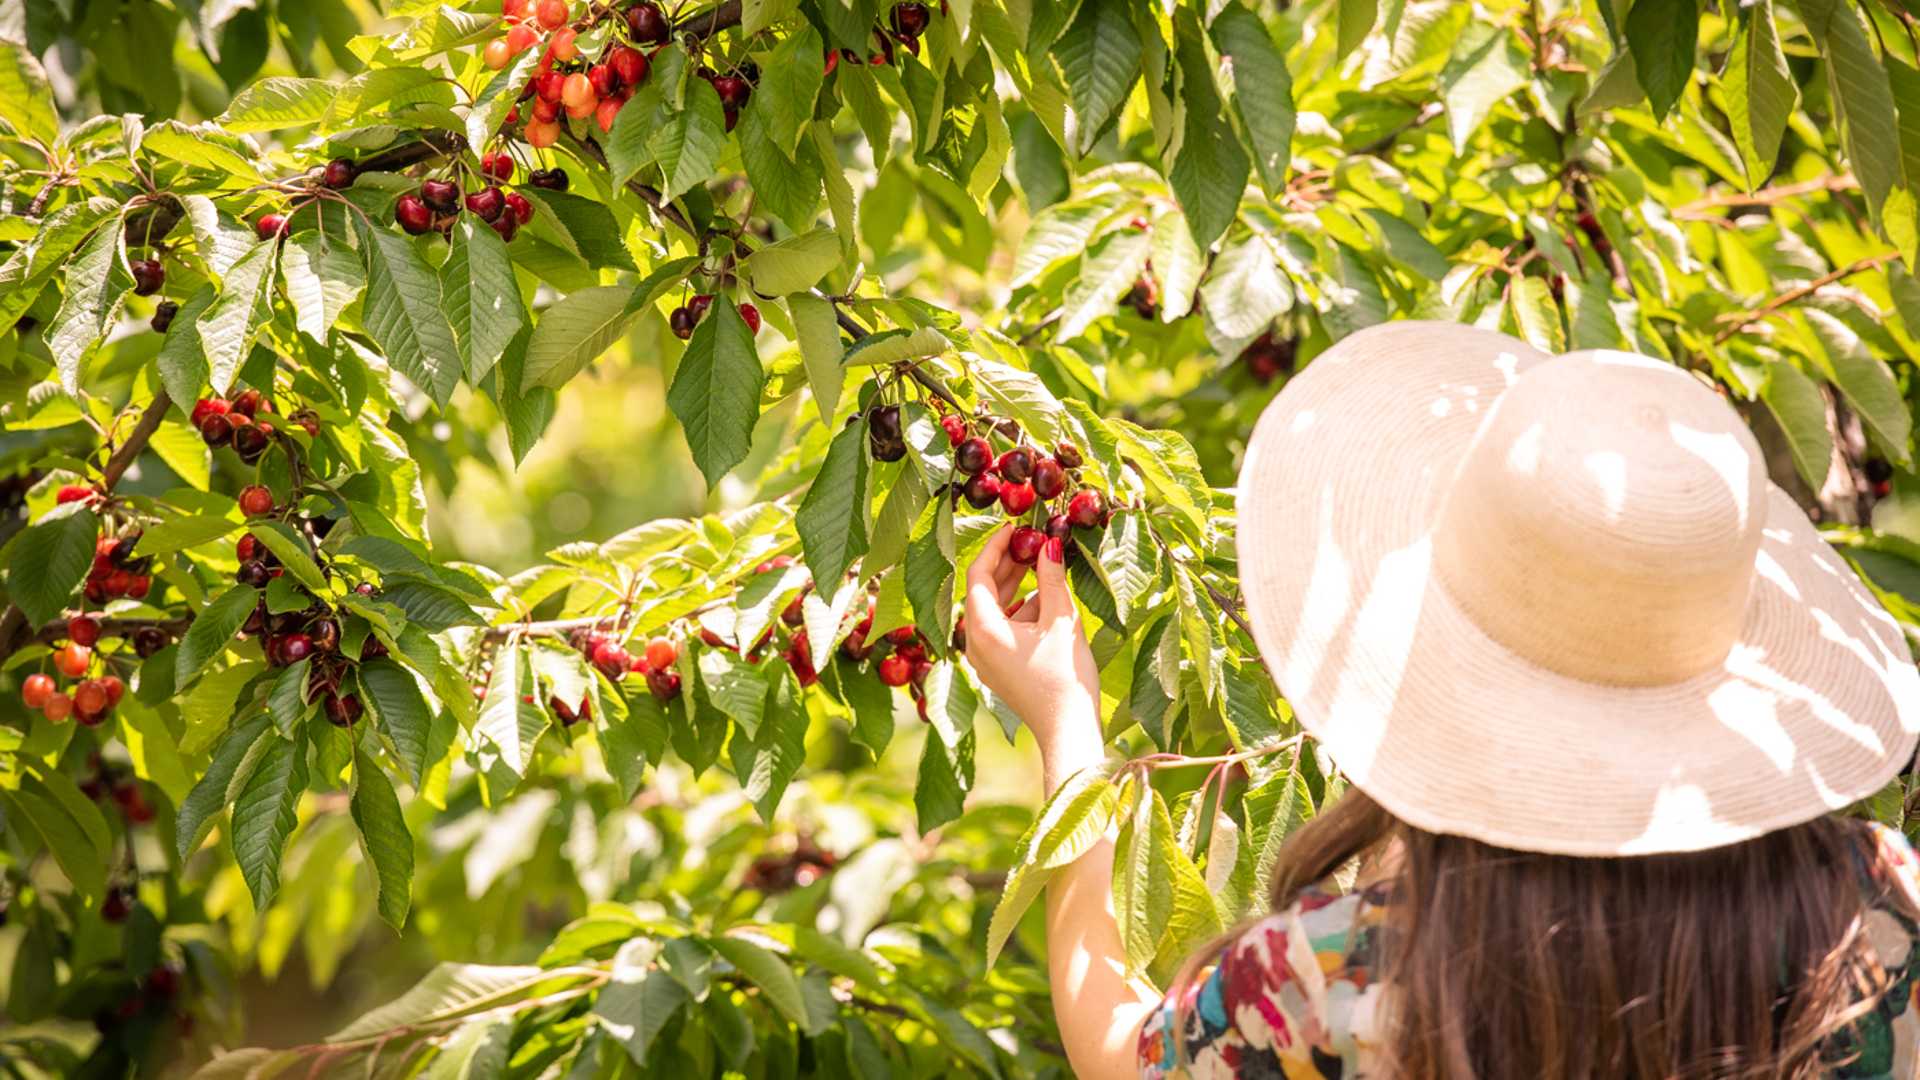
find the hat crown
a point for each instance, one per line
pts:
(1604, 522)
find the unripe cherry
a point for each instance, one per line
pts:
(542, 134)
(57, 707)
(552, 14)
(497, 55)
(662, 653)
(36, 689)
(520, 39)
(255, 500)
(515, 9)
(577, 91)
(72, 659)
(563, 47)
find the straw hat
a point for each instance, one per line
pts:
(1553, 603)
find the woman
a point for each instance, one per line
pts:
(1599, 688)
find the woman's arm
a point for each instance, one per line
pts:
(1038, 662)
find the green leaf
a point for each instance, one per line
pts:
(929, 577)
(211, 632)
(1143, 876)
(48, 561)
(1075, 816)
(393, 698)
(1869, 123)
(940, 790)
(322, 277)
(1061, 231)
(406, 315)
(1209, 171)
(1109, 269)
(384, 839)
(97, 280)
(789, 83)
(794, 264)
(765, 760)
(1244, 290)
(1129, 561)
(1353, 21)
(287, 699)
(574, 332)
(60, 834)
(1537, 316)
(1760, 91)
(1262, 93)
(264, 815)
(183, 360)
(1662, 35)
(482, 298)
(25, 273)
(1485, 69)
(689, 144)
(448, 991)
(716, 392)
(638, 1000)
(207, 148)
(896, 346)
(278, 102)
(496, 99)
(1021, 395)
(1797, 405)
(766, 970)
(429, 606)
(26, 98)
(287, 546)
(788, 186)
(507, 729)
(818, 336)
(1099, 58)
(210, 792)
(1867, 382)
(832, 519)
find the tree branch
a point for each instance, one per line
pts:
(1741, 320)
(661, 208)
(1711, 206)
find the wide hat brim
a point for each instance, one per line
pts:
(1816, 705)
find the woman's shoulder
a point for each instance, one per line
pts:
(1294, 991)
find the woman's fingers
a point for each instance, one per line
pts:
(986, 619)
(1054, 599)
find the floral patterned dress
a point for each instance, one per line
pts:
(1294, 997)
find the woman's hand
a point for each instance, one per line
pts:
(1037, 660)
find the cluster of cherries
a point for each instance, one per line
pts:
(905, 23)
(435, 205)
(115, 571)
(688, 315)
(153, 994)
(92, 698)
(1018, 479)
(242, 423)
(1268, 357)
(106, 782)
(610, 655)
(566, 81)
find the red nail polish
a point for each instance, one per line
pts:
(1056, 550)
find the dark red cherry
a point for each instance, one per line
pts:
(338, 173)
(982, 490)
(148, 276)
(488, 202)
(413, 215)
(648, 24)
(973, 456)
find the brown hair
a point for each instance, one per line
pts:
(1743, 961)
